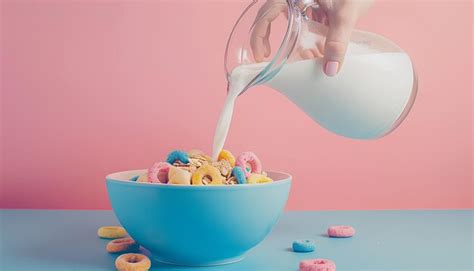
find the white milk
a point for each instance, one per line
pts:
(364, 100)
(239, 79)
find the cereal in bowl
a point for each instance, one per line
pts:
(197, 168)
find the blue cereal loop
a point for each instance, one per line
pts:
(303, 245)
(239, 174)
(177, 155)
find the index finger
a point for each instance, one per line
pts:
(260, 32)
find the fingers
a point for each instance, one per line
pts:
(319, 16)
(319, 49)
(259, 40)
(306, 54)
(310, 53)
(339, 33)
(266, 42)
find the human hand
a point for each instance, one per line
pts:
(339, 15)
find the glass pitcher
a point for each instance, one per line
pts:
(369, 97)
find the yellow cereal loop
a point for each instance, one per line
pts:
(207, 171)
(132, 262)
(111, 232)
(256, 178)
(227, 155)
(122, 245)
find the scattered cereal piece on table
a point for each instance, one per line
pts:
(341, 231)
(179, 176)
(317, 265)
(255, 178)
(132, 262)
(122, 245)
(249, 159)
(303, 245)
(111, 232)
(177, 155)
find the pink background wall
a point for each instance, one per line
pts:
(90, 88)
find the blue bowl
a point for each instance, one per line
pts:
(197, 225)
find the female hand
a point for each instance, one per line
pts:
(339, 15)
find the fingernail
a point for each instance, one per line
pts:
(331, 68)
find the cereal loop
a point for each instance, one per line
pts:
(317, 265)
(122, 245)
(177, 155)
(132, 262)
(158, 173)
(179, 176)
(111, 232)
(303, 245)
(207, 171)
(239, 174)
(341, 231)
(227, 155)
(249, 158)
(256, 178)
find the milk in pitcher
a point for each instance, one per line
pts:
(364, 100)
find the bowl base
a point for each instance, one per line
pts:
(203, 264)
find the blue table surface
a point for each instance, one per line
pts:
(385, 240)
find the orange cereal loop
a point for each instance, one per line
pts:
(132, 262)
(207, 171)
(227, 155)
(122, 245)
(111, 232)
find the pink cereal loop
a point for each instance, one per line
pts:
(317, 265)
(155, 170)
(341, 231)
(251, 159)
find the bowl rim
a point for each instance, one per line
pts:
(118, 178)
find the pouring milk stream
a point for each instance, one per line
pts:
(367, 99)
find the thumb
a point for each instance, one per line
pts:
(337, 39)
